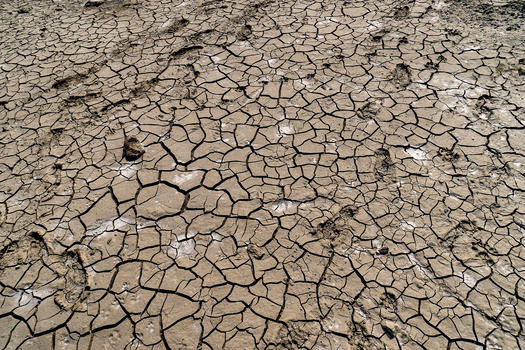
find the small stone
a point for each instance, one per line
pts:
(133, 149)
(388, 332)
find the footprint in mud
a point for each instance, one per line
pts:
(521, 66)
(484, 253)
(452, 31)
(360, 337)
(369, 110)
(244, 33)
(448, 155)
(3, 213)
(173, 25)
(401, 12)
(348, 211)
(298, 335)
(328, 229)
(467, 248)
(384, 166)
(27, 250)
(73, 280)
(401, 75)
(389, 301)
(434, 64)
(142, 87)
(20, 263)
(73, 78)
(332, 228)
(68, 276)
(377, 36)
(482, 107)
(210, 6)
(431, 65)
(185, 50)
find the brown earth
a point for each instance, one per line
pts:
(262, 174)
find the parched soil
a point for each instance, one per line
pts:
(262, 174)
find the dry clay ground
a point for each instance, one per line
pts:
(262, 174)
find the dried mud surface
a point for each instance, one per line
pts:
(262, 174)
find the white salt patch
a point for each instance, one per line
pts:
(407, 225)
(503, 268)
(445, 81)
(150, 327)
(22, 298)
(440, 5)
(182, 4)
(181, 247)
(168, 23)
(216, 236)
(186, 177)
(43, 292)
(469, 280)
(374, 25)
(106, 227)
(493, 343)
(282, 206)
(417, 154)
(273, 63)
(331, 147)
(418, 265)
(286, 129)
(126, 170)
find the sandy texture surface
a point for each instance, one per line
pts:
(262, 174)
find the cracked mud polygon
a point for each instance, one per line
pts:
(262, 174)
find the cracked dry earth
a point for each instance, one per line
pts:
(262, 174)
